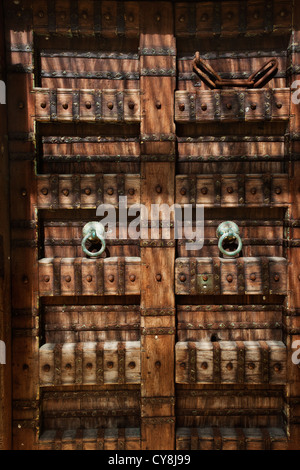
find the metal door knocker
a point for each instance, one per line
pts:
(93, 232)
(229, 232)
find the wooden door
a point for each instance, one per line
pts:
(150, 345)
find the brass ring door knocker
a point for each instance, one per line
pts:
(95, 233)
(229, 231)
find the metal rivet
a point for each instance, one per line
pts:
(204, 107)
(158, 189)
(85, 15)
(68, 278)
(183, 191)
(89, 365)
(277, 367)
(46, 278)
(41, 14)
(182, 365)
(111, 278)
(132, 277)
(23, 192)
(253, 191)
(158, 104)
(89, 278)
(182, 278)
(158, 17)
(107, 16)
(25, 367)
(158, 364)
(181, 19)
(63, 15)
(110, 191)
(253, 106)
(229, 106)
(110, 105)
(278, 190)
(283, 13)
(204, 17)
(65, 105)
(88, 105)
(256, 15)
(110, 365)
(21, 105)
(65, 192)
(252, 277)
(181, 106)
(229, 366)
(229, 278)
(131, 365)
(204, 365)
(230, 15)
(230, 189)
(43, 105)
(68, 366)
(87, 191)
(130, 18)
(131, 105)
(251, 366)
(158, 277)
(279, 105)
(25, 280)
(276, 277)
(205, 277)
(204, 190)
(19, 13)
(46, 368)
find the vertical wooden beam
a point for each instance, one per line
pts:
(157, 48)
(5, 323)
(293, 299)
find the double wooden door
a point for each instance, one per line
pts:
(151, 345)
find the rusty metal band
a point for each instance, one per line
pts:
(159, 420)
(193, 276)
(121, 276)
(242, 16)
(191, 19)
(121, 363)
(217, 439)
(157, 51)
(74, 17)
(107, 75)
(216, 362)
(157, 138)
(57, 356)
(217, 189)
(158, 331)
(76, 190)
(89, 139)
(158, 401)
(231, 138)
(216, 275)
(159, 72)
(99, 189)
(265, 361)
(268, 16)
(241, 104)
(217, 105)
(133, 393)
(97, 16)
(241, 439)
(53, 105)
(121, 439)
(120, 19)
(157, 158)
(157, 312)
(120, 105)
(79, 439)
(56, 276)
(240, 275)
(51, 16)
(78, 363)
(100, 438)
(192, 181)
(265, 275)
(192, 106)
(228, 325)
(266, 439)
(268, 105)
(230, 411)
(157, 243)
(78, 276)
(192, 360)
(267, 187)
(54, 191)
(53, 414)
(194, 439)
(57, 441)
(99, 363)
(98, 105)
(241, 189)
(240, 373)
(25, 404)
(76, 105)
(99, 276)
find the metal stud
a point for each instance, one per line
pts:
(229, 278)
(158, 277)
(181, 106)
(182, 278)
(183, 191)
(68, 278)
(110, 105)
(131, 191)
(230, 189)
(204, 107)
(158, 189)
(132, 277)
(204, 190)
(65, 192)
(110, 191)
(87, 191)
(111, 278)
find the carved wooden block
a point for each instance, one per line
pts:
(226, 438)
(231, 362)
(86, 105)
(81, 276)
(89, 363)
(249, 105)
(231, 276)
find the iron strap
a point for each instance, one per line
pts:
(216, 362)
(268, 104)
(98, 105)
(54, 191)
(157, 312)
(53, 104)
(57, 353)
(76, 190)
(78, 276)
(100, 276)
(217, 189)
(267, 187)
(121, 363)
(74, 19)
(100, 438)
(240, 275)
(99, 363)
(242, 16)
(268, 16)
(76, 105)
(56, 276)
(99, 189)
(192, 106)
(217, 275)
(240, 373)
(193, 276)
(265, 361)
(265, 275)
(192, 359)
(121, 439)
(158, 331)
(192, 181)
(121, 276)
(78, 362)
(120, 105)
(241, 188)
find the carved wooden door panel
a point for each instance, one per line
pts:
(151, 345)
